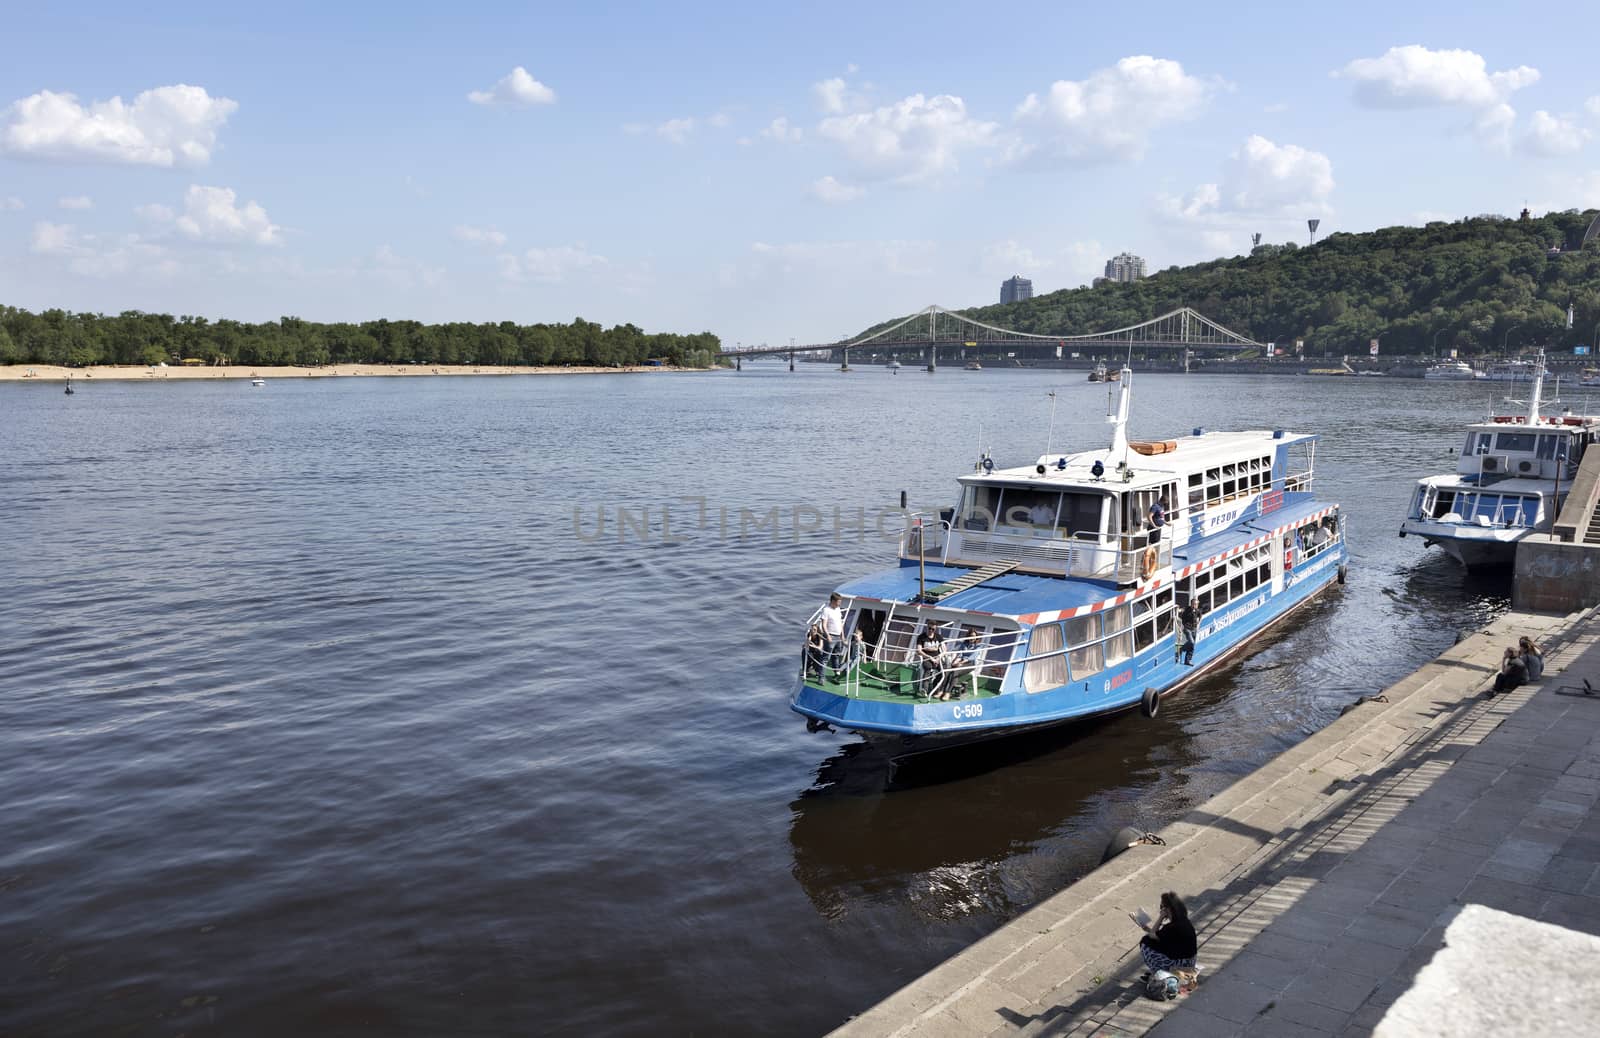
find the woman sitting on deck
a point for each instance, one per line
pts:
(1169, 943)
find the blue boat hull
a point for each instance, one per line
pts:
(928, 725)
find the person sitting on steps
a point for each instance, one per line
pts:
(1513, 672)
(1532, 657)
(1169, 943)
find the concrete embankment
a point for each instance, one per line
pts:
(1323, 883)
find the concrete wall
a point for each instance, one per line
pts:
(1552, 577)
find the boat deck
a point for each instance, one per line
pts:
(897, 683)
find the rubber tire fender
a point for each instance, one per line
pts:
(1150, 702)
(1342, 572)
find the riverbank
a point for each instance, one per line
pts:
(138, 373)
(1340, 884)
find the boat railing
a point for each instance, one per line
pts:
(927, 536)
(895, 659)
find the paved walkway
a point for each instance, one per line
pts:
(1323, 882)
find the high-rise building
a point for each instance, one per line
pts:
(1125, 267)
(1015, 289)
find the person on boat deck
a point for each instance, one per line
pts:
(1532, 657)
(1041, 514)
(855, 651)
(833, 629)
(1158, 519)
(968, 645)
(1169, 943)
(1513, 672)
(1189, 621)
(816, 651)
(930, 659)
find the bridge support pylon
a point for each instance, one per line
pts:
(791, 360)
(738, 363)
(933, 359)
(844, 357)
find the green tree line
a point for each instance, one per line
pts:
(1481, 285)
(133, 337)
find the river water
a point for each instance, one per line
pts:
(320, 714)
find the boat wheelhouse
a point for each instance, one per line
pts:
(1510, 481)
(1052, 592)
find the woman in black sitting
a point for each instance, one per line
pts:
(1513, 672)
(1169, 943)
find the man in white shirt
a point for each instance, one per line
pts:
(833, 630)
(1041, 514)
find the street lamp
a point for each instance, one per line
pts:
(1507, 337)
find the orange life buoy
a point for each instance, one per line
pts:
(1147, 564)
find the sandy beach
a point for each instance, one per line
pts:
(131, 372)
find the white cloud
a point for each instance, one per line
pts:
(1110, 115)
(1493, 125)
(11, 204)
(833, 96)
(478, 236)
(1416, 77)
(155, 213)
(1553, 135)
(779, 130)
(167, 126)
(1261, 179)
(517, 88)
(1592, 106)
(1064, 266)
(403, 272)
(211, 215)
(829, 190)
(676, 130)
(720, 120)
(94, 256)
(914, 140)
(75, 202)
(548, 264)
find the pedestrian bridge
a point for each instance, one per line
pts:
(925, 332)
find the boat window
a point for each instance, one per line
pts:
(979, 506)
(1444, 504)
(1510, 441)
(1031, 508)
(1547, 447)
(998, 655)
(1119, 645)
(1044, 671)
(1080, 514)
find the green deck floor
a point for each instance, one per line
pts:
(897, 684)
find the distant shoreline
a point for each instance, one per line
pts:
(140, 373)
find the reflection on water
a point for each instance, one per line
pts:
(318, 716)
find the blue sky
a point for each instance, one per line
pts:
(762, 173)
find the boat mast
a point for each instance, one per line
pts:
(1117, 417)
(1538, 388)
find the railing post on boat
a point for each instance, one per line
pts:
(922, 553)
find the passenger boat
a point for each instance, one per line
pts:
(1101, 374)
(1511, 371)
(1509, 482)
(1057, 586)
(1453, 371)
(1590, 378)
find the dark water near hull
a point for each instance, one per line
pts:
(317, 715)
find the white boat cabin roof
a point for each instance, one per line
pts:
(1186, 454)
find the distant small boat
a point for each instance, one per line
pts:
(70, 390)
(258, 382)
(893, 365)
(973, 365)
